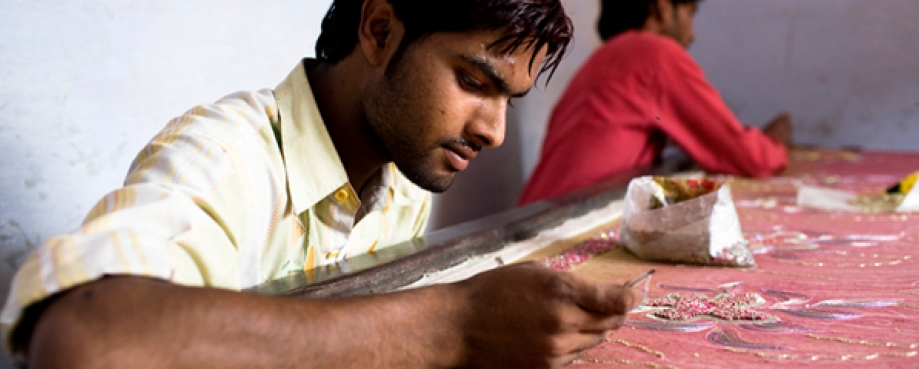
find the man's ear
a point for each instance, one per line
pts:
(662, 11)
(379, 32)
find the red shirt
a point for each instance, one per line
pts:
(635, 92)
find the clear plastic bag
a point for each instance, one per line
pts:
(683, 221)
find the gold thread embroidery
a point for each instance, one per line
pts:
(820, 357)
(623, 362)
(911, 306)
(660, 355)
(863, 342)
(645, 349)
(914, 293)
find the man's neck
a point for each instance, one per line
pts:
(653, 25)
(337, 92)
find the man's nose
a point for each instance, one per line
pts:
(487, 128)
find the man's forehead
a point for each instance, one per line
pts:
(493, 51)
(497, 43)
(517, 52)
(506, 72)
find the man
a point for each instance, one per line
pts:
(259, 184)
(640, 90)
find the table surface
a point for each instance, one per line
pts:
(831, 289)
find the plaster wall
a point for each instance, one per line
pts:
(85, 84)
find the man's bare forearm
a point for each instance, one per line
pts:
(138, 322)
(518, 316)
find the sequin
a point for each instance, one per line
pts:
(580, 253)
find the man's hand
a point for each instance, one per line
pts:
(530, 316)
(780, 129)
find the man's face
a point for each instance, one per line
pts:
(444, 100)
(679, 26)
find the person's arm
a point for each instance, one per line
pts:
(525, 316)
(696, 117)
(780, 129)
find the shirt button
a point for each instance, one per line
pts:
(341, 195)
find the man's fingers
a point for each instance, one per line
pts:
(563, 361)
(607, 299)
(588, 341)
(573, 343)
(597, 324)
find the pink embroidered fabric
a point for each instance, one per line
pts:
(831, 289)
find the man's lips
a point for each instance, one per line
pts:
(459, 155)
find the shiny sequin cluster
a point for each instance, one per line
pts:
(737, 255)
(580, 253)
(731, 307)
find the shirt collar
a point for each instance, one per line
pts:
(314, 169)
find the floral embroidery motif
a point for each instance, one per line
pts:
(731, 307)
(582, 252)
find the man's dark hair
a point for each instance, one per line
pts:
(617, 16)
(535, 23)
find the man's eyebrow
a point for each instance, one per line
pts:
(492, 73)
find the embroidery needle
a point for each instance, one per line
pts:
(640, 278)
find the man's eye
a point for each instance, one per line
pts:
(469, 83)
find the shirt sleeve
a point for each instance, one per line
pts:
(695, 116)
(171, 220)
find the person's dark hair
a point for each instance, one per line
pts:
(526, 23)
(617, 16)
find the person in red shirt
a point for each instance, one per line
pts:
(640, 90)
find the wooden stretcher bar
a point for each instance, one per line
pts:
(399, 265)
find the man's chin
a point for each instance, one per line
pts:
(433, 182)
(438, 186)
(436, 181)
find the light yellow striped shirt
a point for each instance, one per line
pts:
(229, 195)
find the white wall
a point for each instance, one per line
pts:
(847, 70)
(85, 84)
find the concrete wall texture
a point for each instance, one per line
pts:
(83, 85)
